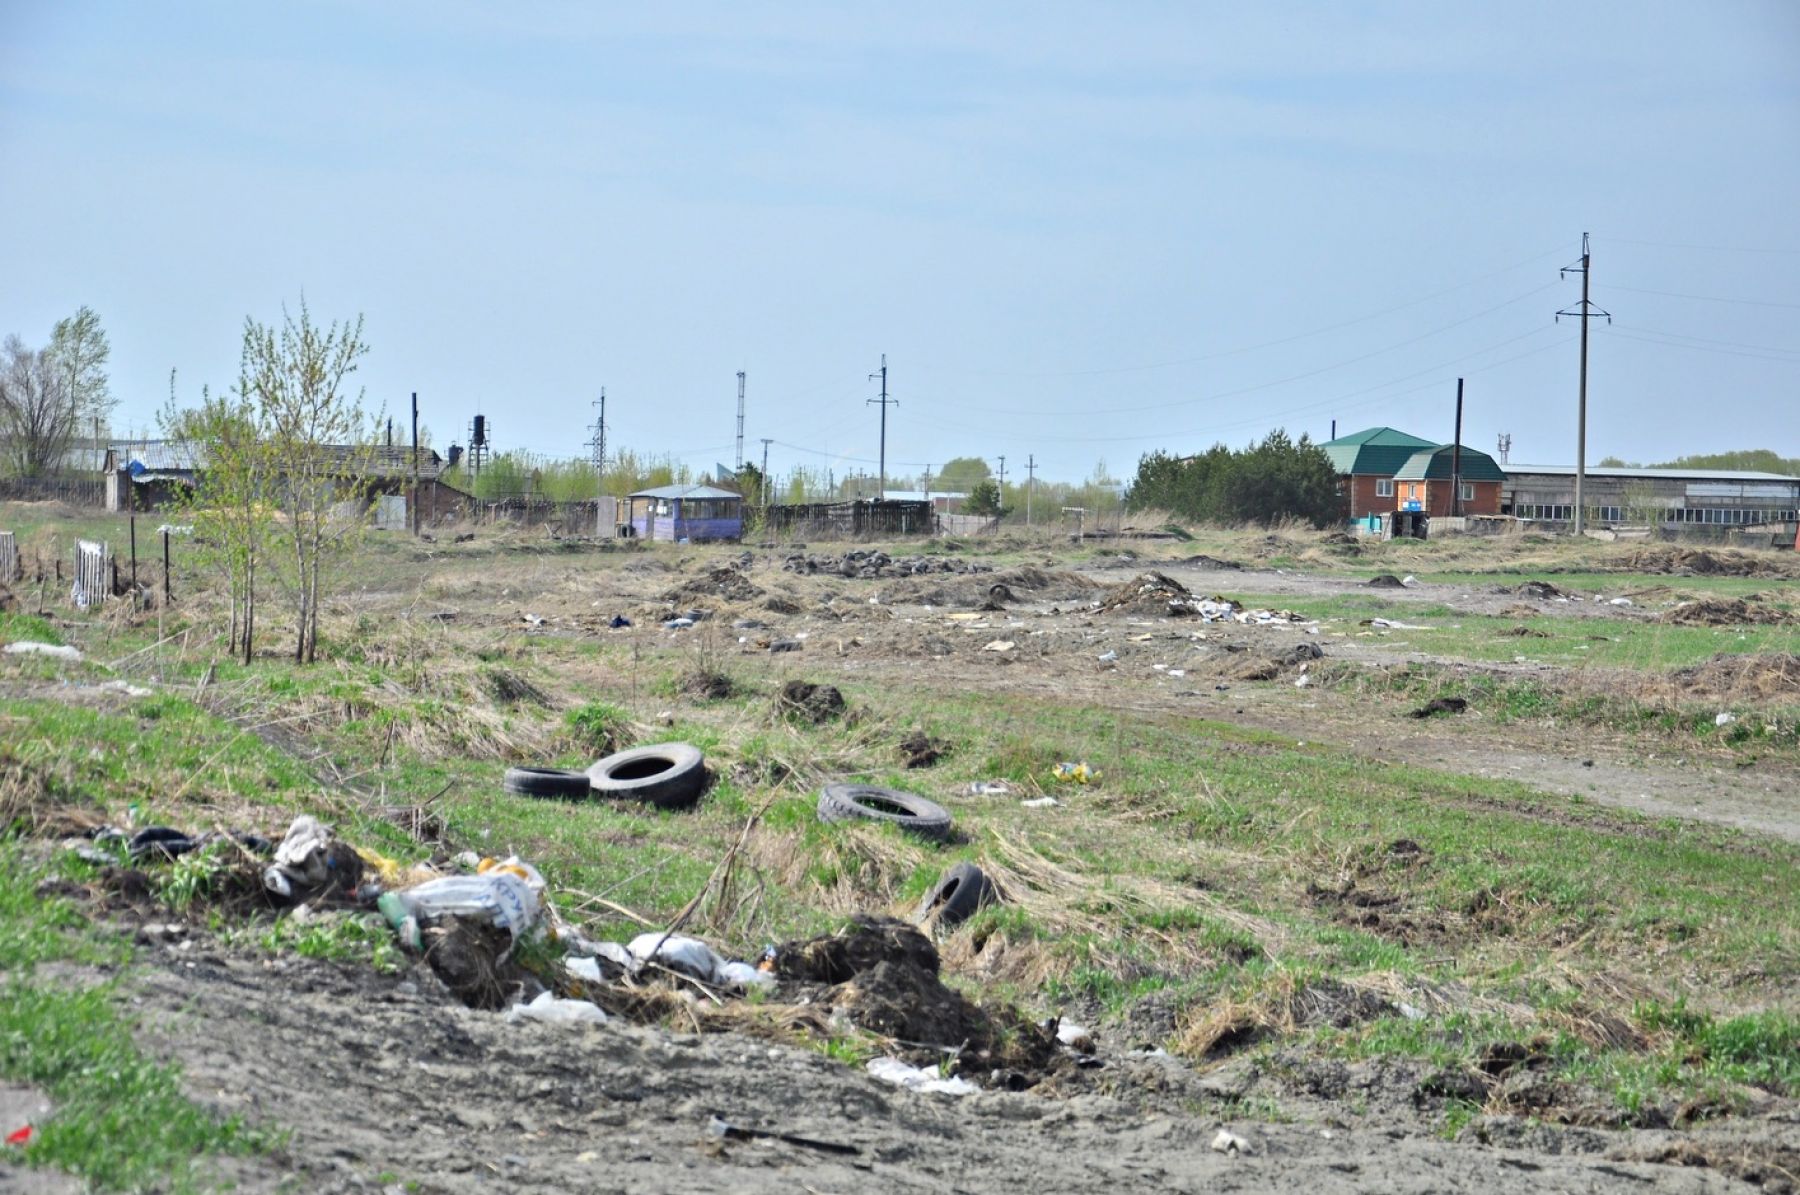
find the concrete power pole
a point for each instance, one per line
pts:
(1000, 491)
(1030, 485)
(765, 481)
(884, 400)
(1584, 312)
(740, 446)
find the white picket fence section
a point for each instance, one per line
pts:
(92, 574)
(9, 559)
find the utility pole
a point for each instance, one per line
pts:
(925, 480)
(1030, 484)
(1584, 312)
(1456, 457)
(1000, 493)
(598, 444)
(884, 400)
(415, 463)
(1504, 444)
(765, 481)
(740, 448)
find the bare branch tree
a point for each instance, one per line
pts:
(37, 420)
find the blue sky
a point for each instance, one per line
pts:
(1079, 232)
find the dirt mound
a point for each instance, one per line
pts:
(817, 704)
(1543, 591)
(1522, 632)
(1204, 561)
(1386, 581)
(1706, 562)
(869, 563)
(1271, 666)
(1148, 594)
(724, 582)
(1724, 612)
(920, 750)
(883, 977)
(1767, 675)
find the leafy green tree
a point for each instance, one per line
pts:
(79, 350)
(960, 475)
(1749, 460)
(1265, 483)
(984, 499)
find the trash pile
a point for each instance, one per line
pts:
(864, 563)
(1158, 595)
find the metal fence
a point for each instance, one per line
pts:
(852, 519)
(76, 491)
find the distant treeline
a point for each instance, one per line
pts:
(1265, 482)
(1748, 460)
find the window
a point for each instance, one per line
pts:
(1468, 491)
(1384, 487)
(1412, 491)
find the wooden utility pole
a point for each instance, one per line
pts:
(1584, 312)
(415, 463)
(884, 400)
(1456, 457)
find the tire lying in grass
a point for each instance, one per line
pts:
(667, 775)
(867, 802)
(546, 782)
(958, 894)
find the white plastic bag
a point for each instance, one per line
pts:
(913, 1078)
(745, 976)
(690, 956)
(500, 897)
(549, 1007)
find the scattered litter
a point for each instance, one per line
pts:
(22, 1137)
(1079, 772)
(552, 1008)
(1039, 803)
(130, 690)
(990, 788)
(999, 645)
(1108, 657)
(401, 919)
(1177, 672)
(724, 1130)
(678, 624)
(535, 620)
(619, 622)
(1409, 580)
(1725, 719)
(1411, 1013)
(27, 648)
(1304, 679)
(1440, 705)
(1620, 601)
(913, 1078)
(1390, 624)
(309, 863)
(1227, 1142)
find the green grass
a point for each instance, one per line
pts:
(120, 1120)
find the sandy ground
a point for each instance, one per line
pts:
(385, 1081)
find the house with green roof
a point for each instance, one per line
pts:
(1440, 481)
(1366, 462)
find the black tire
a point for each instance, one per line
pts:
(667, 775)
(867, 802)
(546, 782)
(958, 894)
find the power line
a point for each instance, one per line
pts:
(1298, 377)
(1702, 248)
(1674, 294)
(1701, 348)
(1349, 323)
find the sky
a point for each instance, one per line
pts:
(1079, 233)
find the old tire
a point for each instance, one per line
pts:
(956, 896)
(868, 802)
(667, 775)
(546, 782)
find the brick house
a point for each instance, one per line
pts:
(1423, 483)
(1366, 463)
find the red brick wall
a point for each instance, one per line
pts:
(1361, 497)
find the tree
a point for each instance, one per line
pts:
(37, 420)
(1265, 483)
(228, 506)
(984, 499)
(960, 475)
(321, 446)
(80, 349)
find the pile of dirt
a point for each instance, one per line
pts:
(1386, 581)
(1523, 632)
(726, 582)
(1543, 591)
(1763, 675)
(1152, 594)
(869, 563)
(1273, 665)
(1705, 562)
(1204, 561)
(882, 975)
(808, 702)
(920, 750)
(1724, 612)
(708, 684)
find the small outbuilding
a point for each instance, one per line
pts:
(685, 513)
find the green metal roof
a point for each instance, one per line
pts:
(1377, 450)
(1433, 464)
